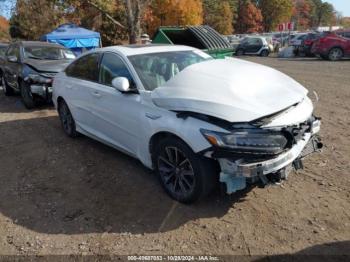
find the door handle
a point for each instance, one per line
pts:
(69, 86)
(96, 94)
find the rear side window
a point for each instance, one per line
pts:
(347, 35)
(85, 68)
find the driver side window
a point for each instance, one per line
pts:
(111, 67)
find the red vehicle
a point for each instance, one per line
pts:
(333, 46)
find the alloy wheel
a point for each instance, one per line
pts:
(176, 171)
(66, 118)
(335, 54)
(3, 83)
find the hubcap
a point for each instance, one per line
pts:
(336, 54)
(176, 171)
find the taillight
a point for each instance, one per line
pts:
(308, 42)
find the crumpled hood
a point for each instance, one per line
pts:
(231, 89)
(54, 66)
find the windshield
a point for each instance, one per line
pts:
(155, 69)
(47, 53)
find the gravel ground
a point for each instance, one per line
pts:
(77, 196)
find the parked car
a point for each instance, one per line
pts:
(253, 45)
(29, 67)
(297, 40)
(193, 119)
(309, 41)
(333, 46)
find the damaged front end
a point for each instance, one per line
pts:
(41, 84)
(249, 154)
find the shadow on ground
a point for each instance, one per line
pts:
(54, 184)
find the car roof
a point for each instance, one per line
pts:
(130, 50)
(38, 43)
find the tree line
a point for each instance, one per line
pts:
(122, 20)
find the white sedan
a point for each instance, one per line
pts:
(194, 120)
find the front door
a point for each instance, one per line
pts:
(254, 45)
(12, 68)
(82, 76)
(117, 114)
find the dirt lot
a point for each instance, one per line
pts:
(77, 196)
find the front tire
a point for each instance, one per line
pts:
(67, 120)
(8, 91)
(239, 52)
(335, 54)
(26, 95)
(184, 175)
(264, 53)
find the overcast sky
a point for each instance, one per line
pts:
(342, 6)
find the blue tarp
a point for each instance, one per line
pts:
(73, 37)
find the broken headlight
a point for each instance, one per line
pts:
(248, 141)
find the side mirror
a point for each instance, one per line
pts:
(121, 83)
(12, 59)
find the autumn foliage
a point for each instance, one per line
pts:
(4, 27)
(121, 20)
(301, 14)
(172, 13)
(250, 19)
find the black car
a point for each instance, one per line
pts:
(29, 67)
(253, 45)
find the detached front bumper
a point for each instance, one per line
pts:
(235, 172)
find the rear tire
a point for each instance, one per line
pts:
(264, 53)
(184, 175)
(67, 120)
(27, 96)
(335, 54)
(8, 91)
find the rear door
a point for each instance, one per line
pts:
(347, 44)
(79, 92)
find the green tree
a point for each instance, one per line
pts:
(322, 13)
(219, 15)
(275, 12)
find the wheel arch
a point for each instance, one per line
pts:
(155, 138)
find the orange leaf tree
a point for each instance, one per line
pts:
(249, 18)
(172, 13)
